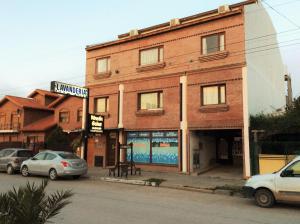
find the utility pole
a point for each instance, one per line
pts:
(289, 97)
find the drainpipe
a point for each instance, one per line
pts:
(183, 124)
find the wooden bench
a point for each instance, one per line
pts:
(136, 169)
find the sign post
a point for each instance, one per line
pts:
(81, 92)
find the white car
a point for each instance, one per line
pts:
(54, 164)
(283, 185)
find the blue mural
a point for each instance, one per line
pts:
(164, 147)
(141, 150)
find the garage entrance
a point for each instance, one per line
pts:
(216, 150)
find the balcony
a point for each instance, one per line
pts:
(10, 128)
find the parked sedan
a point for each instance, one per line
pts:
(283, 185)
(54, 164)
(11, 159)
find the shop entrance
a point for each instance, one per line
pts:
(111, 148)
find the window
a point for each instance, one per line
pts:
(64, 116)
(79, 115)
(50, 156)
(101, 105)
(151, 56)
(102, 65)
(213, 43)
(68, 156)
(24, 153)
(40, 156)
(212, 95)
(150, 101)
(158, 147)
(8, 153)
(294, 169)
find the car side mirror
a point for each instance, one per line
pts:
(33, 158)
(287, 173)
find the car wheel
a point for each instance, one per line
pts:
(10, 170)
(76, 177)
(52, 174)
(264, 198)
(24, 171)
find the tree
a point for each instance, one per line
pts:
(31, 205)
(58, 140)
(288, 122)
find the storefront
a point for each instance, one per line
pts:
(154, 147)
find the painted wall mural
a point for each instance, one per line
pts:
(154, 147)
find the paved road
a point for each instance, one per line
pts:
(98, 202)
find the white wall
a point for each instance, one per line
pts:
(265, 69)
(208, 151)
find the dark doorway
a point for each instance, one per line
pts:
(111, 148)
(224, 151)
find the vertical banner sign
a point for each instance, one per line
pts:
(68, 89)
(96, 123)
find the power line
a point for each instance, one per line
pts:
(282, 15)
(298, 27)
(232, 54)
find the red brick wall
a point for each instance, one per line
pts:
(71, 104)
(33, 115)
(232, 78)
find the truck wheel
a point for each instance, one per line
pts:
(264, 198)
(52, 174)
(10, 170)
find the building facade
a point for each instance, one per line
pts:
(182, 91)
(26, 122)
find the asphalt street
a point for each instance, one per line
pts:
(97, 202)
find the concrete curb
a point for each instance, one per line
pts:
(175, 187)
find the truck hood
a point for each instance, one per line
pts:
(260, 178)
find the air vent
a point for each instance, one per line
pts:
(133, 32)
(224, 9)
(174, 22)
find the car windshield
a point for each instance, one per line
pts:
(68, 156)
(24, 153)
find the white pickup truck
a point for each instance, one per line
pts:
(283, 185)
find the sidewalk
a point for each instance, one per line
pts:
(204, 183)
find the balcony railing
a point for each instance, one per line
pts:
(10, 127)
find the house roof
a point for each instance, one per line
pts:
(43, 93)
(57, 101)
(165, 27)
(41, 125)
(24, 102)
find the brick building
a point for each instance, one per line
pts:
(26, 122)
(182, 91)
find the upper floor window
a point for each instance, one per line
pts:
(213, 43)
(101, 105)
(79, 115)
(148, 101)
(151, 56)
(213, 95)
(102, 65)
(64, 116)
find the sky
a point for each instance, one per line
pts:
(41, 41)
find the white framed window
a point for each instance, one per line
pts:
(213, 43)
(102, 65)
(213, 95)
(151, 56)
(101, 105)
(150, 101)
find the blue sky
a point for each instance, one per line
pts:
(44, 40)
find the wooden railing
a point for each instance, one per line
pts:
(11, 126)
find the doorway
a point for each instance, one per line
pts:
(111, 148)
